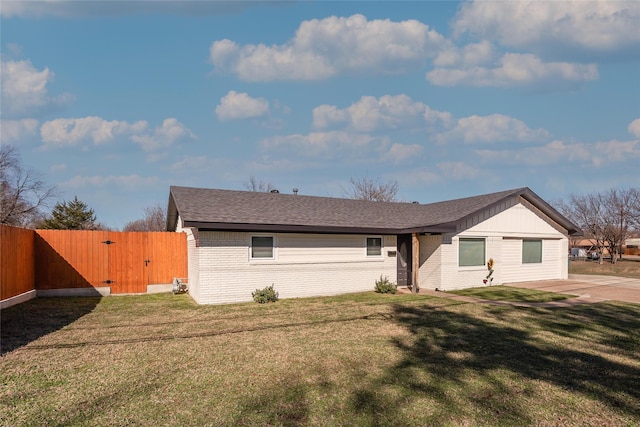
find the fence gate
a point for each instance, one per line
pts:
(125, 261)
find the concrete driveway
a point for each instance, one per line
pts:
(591, 287)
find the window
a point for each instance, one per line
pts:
(374, 246)
(261, 247)
(471, 252)
(532, 251)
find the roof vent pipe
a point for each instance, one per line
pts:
(274, 191)
(415, 203)
(295, 191)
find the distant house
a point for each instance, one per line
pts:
(632, 246)
(240, 241)
(587, 248)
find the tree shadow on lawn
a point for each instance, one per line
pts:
(30, 320)
(617, 324)
(467, 368)
(284, 405)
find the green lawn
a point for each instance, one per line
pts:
(354, 360)
(506, 293)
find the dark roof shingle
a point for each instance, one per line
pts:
(245, 210)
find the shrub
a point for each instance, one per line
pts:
(265, 295)
(384, 286)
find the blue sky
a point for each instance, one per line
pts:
(114, 101)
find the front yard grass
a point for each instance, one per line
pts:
(625, 267)
(506, 293)
(357, 360)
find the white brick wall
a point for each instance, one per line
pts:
(221, 271)
(304, 265)
(193, 264)
(430, 272)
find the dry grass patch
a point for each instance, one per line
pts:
(625, 267)
(362, 359)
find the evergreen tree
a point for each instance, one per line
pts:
(73, 215)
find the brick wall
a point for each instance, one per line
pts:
(304, 265)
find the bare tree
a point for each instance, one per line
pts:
(587, 211)
(155, 219)
(373, 190)
(259, 186)
(567, 209)
(619, 208)
(635, 209)
(23, 192)
(607, 218)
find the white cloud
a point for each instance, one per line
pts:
(15, 130)
(386, 112)
(549, 153)
(71, 131)
(470, 55)
(68, 132)
(583, 30)
(24, 88)
(634, 128)
(129, 182)
(592, 154)
(163, 136)
(398, 153)
(322, 48)
(325, 116)
(615, 151)
(234, 106)
(491, 129)
(437, 119)
(333, 144)
(514, 69)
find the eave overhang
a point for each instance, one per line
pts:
(287, 228)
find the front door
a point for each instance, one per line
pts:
(404, 260)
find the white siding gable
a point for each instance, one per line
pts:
(503, 227)
(515, 221)
(179, 225)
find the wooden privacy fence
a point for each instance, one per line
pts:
(16, 261)
(127, 262)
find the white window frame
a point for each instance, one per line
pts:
(484, 256)
(522, 251)
(366, 247)
(273, 248)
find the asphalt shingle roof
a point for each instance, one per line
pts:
(228, 209)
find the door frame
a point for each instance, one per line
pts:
(404, 272)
